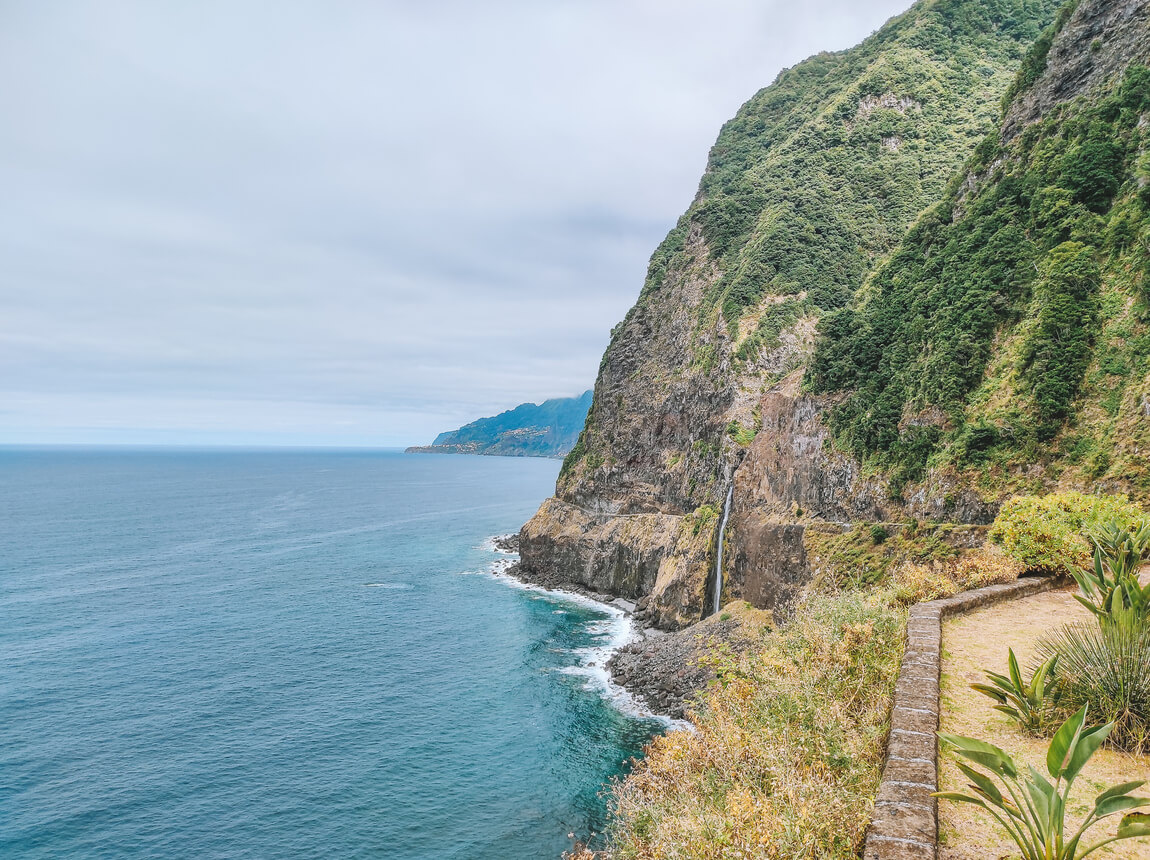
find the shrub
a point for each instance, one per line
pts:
(914, 582)
(1033, 809)
(1048, 533)
(1112, 590)
(878, 534)
(1107, 669)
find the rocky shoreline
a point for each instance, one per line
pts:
(664, 671)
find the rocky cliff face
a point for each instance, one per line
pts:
(807, 191)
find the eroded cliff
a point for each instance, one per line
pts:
(802, 220)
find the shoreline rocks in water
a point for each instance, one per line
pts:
(507, 544)
(667, 672)
(663, 669)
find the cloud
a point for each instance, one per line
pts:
(347, 222)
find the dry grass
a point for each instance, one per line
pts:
(785, 736)
(988, 565)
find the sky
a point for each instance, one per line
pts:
(349, 222)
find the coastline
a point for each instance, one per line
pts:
(600, 661)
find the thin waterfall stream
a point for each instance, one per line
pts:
(719, 551)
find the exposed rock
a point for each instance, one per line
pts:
(508, 544)
(665, 671)
(1101, 38)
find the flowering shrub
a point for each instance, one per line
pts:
(1049, 532)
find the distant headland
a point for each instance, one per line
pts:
(548, 429)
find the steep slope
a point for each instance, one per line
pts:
(813, 182)
(1006, 342)
(549, 429)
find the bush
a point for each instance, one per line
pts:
(1112, 590)
(1048, 533)
(913, 582)
(1107, 669)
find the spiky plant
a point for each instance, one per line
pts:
(1108, 669)
(1111, 590)
(1025, 702)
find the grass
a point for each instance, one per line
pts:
(787, 733)
(790, 731)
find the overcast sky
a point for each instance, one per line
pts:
(341, 222)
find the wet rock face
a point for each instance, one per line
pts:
(768, 564)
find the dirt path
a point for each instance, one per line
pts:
(978, 641)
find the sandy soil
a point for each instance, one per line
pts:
(977, 641)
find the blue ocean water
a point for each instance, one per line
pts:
(290, 655)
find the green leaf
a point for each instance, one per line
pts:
(1001, 764)
(1087, 604)
(1121, 788)
(959, 797)
(1062, 743)
(1119, 804)
(983, 783)
(993, 692)
(1088, 743)
(1135, 824)
(1015, 673)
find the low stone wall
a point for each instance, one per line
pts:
(904, 825)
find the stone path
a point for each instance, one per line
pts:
(904, 825)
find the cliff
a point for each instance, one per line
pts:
(886, 303)
(549, 429)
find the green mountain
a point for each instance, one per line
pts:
(549, 429)
(808, 190)
(1006, 338)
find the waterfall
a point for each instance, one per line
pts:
(719, 551)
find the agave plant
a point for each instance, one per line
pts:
(1031, 808)
(1022, 701)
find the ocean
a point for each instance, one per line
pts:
(293, 654)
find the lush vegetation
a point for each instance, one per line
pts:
(1052, 533)
(820, 173)
(977, 335)
(549, 429)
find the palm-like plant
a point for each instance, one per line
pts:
(1032, 808)
(1112, 590)
(1022, 701)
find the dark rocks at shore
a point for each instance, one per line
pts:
(667, 672)
(508, 544)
